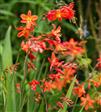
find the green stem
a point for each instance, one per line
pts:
(40, 72)
(81, 109)
(75, 104)
(25, 68)
(45, 100)
(22, 104)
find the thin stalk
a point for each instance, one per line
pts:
(75, 104)
(40, 72)
(22, 88)
(46, 105)
(46, 70)
(18, 55)
(23, 102)
(24, 68)
(81, 15)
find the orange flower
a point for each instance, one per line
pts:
(51, 15)
(96, 83)
(71, 47)
(29, 19)
(79, 90)
(59, 14)
(87, 102)
(54, 61)
(48, 86)
(65, 12)
(74, 48)
(24, 31)
(55, 33)
(60, 48)
(58, 84)
(25, 46)
(69, 73)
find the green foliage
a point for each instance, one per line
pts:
(7, 50)
(6, 59)
(86, 13)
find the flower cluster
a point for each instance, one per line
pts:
(33, 84)
(30, 21)
(63, 64)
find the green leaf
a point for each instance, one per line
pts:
(7, 13)
(69, 26)
(69, 92)
(1, 50)
(11, 95)
(30, 102)
(41, 108)
(68, 95)
(10, 78)
(83, 62)
(7, 51)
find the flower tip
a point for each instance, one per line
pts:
(29, 12)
